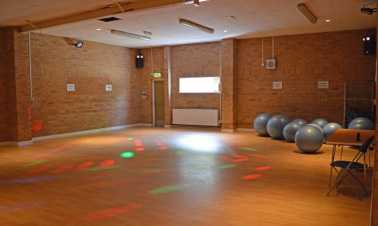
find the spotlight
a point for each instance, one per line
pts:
(79, 44)
(368, 11)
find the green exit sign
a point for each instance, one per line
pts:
(157, 75)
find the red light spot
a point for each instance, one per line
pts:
(139, 149)
(238, 156)
(103, 214)
(262, 168)
(160, 144)
(257, 156)
(240, 160)
(251, 177)
(163, 148)
(107, 163)
(226, 158)
(58, 149)
(37, 126)
(137, 141)
(138, 145)
(37, 171)
(85, 165)
(62, 169)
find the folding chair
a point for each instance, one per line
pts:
(346, 167)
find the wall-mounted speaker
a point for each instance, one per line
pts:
(139, 60)
(270, 64)
(369, 45)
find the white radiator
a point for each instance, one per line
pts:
(199, 117)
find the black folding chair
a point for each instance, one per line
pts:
(346, 167)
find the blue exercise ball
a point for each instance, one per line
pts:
(260, 124)
(275, 126)
(316, 126)
(320, 122)
(300, 122)
(290, 130)
(309, 139)
(361, 123)
(330, 128)
(361, 126)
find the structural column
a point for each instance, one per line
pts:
(167, 86)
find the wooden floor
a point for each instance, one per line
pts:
(153, 176)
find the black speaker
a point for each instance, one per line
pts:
(369, 45)
(139, 60)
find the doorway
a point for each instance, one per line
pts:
(159, 103)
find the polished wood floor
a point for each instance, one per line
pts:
(153, 176)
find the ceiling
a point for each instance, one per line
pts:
(240, 18)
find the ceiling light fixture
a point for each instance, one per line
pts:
(196, 26)
(130, 35)
(307, 13)
(79, 44)
(369, 11)
(327, 21)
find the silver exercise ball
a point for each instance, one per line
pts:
(309, 139)
(320, 122)
(300, 121)
(330, 128)
(290, 130)
(275, 126)
(260, 124)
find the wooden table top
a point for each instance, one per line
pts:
(349, 137)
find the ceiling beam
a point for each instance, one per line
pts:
(107, 11)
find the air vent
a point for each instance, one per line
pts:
(270, 64)
(109, 19)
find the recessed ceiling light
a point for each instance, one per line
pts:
(98, 29)
(225, 31)
(327, 21)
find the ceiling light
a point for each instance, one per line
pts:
(98, 29)
(79, 44)
(307, 13)
(130, 35)
(197, 26)
(327, 21)
(225, 31)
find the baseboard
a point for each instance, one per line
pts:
(246, 130)
(167, 126)
(228, 130)
(14, 143)
(90, 131)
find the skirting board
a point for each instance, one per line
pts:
(239, 130)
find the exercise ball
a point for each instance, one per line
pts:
(275, 126)
(330, 128)
(260, 124)
(320, 122)
(316, 126)
(361, 123)
(300, 122)
(309, 139)
(290, 130)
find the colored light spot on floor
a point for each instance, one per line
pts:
(249, 149)
(227, 166)
(262, 168)
(58, 149)
(165, 189)
(127, 155)
(163, 148)
(107, 163)
(29, 180)
(159, 144)
(36, 162)
(139, 149)
(240, 160)
(85, 165)
(251, 177)
(226, 158)
(138, 145)
(20, 206)
(130, 138)
(37, 171)
(37, 125)
(257, 156)
(180, 153)
(62, 169)
(100, 168)
(103, 214)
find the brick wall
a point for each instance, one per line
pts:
(195, 60)
(302, 61)
(56, 63)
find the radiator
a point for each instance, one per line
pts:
(199, 117)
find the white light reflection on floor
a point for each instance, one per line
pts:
(201, 143)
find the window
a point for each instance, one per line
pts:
(199, 85)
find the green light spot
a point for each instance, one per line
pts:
(227, 166)
(165, 189)
(180, 153)
(36, 162)
(249, 149)
(130, 138)
(100, 168)
(127, 155)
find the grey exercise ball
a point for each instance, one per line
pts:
(309, 139)
(275, 126)
(290, 130)
(316, 126)
(260, 124)
(361, 123)
(300, 121)
(320, 122)
(330, 128)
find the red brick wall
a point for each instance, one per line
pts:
(195, 60)
(56, 62)
(3, 90)
(302, 60)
